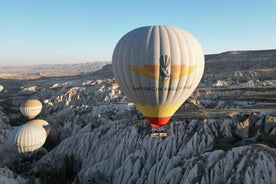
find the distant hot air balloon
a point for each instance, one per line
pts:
(42, 123)
(158, 68)
(31, 108)
(29, 138)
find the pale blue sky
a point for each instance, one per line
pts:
(67, 31)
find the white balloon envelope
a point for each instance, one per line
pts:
(29, 138)
(31, 108)
(158, 68)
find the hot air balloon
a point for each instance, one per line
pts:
(158, 68)
(42, 123)
(29, 138)
(31, 108)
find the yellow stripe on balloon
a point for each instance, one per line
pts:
(146, 71)
(158, 110)
(182, 70)
(152, 71)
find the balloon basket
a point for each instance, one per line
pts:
(158, 133)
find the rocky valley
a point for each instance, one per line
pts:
(224, 133)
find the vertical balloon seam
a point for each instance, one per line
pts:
(23, 136)
(142, 62)
(123, 63)
(119, 62)
(157, 52)
(184, 54)
(41, 134)
(156, 107)
(161, 93)
(34, 139)
(28, 139)
(130, 78)
(136, 46)
(164, 40)
(173, 58)
(37, 141)
(170, 97)
(151, 108)
(175, 31)
(30, 132)
(141, 79)
(150, 44)
(172, 39)
(148, 95)
(41, 137)
(153, 37)
(185, 58)
(163, 113)
(139, 56)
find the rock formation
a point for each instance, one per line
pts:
(224, 133)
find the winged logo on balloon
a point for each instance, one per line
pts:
(165, 67)
(164, 71)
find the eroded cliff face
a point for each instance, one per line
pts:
(240, 66)
(240, 60)
(224, 133)
(123, 152)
